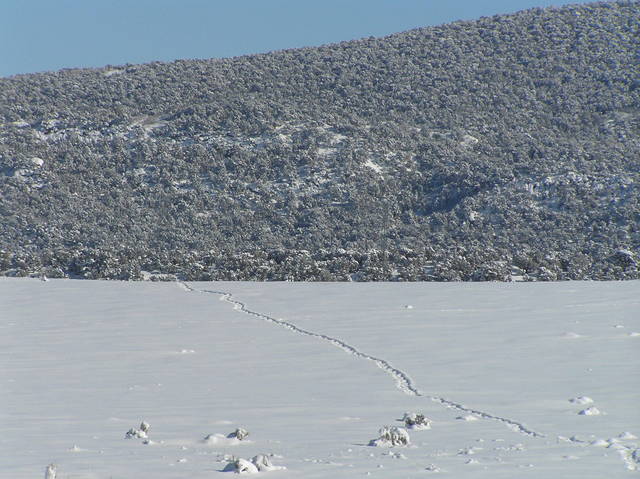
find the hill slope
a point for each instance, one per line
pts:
(475, 150)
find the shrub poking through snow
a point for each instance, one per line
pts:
(591, 411)
(263, 463)
(232, 439)
(259, 463)
(50, 472)
(241, 466)
(416, 421)
(140, 433)
(391, 436)
(238, 434)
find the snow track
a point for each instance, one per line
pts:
(403, 381)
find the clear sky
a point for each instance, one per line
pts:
(41, 35)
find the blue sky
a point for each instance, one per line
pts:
(41, 35)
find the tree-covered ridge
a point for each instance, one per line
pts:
(477, 150)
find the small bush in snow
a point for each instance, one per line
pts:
(140, 433)
(591, 411)
(241, 466)
(414, 420)
(391, 436)
(50, 472)
(263, 463)
(239, 434)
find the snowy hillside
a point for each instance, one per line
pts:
(475, 151)
(534, 380)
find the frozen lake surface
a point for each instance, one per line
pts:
(531, 380)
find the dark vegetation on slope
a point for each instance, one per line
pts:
(470, 151)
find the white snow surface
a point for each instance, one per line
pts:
(314, 370)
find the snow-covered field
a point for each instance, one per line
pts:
(313, 371)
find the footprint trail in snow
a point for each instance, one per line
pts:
(403, 382)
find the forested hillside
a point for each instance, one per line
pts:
(485, 150)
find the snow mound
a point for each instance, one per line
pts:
(220, 440)
(572, 335)
(416, 421)
(581, 400)
(395, 455)
(239, 434)
(258, 463)
(468, 417)
(391, 436)
(231, 439)
(241, 466)
(627, 436)
(591, 411)
(263, 463)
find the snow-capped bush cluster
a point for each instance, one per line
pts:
(391, 436)
(417, 421)
(139, 433)
(239, 434)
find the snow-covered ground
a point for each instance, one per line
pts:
(531, 380)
